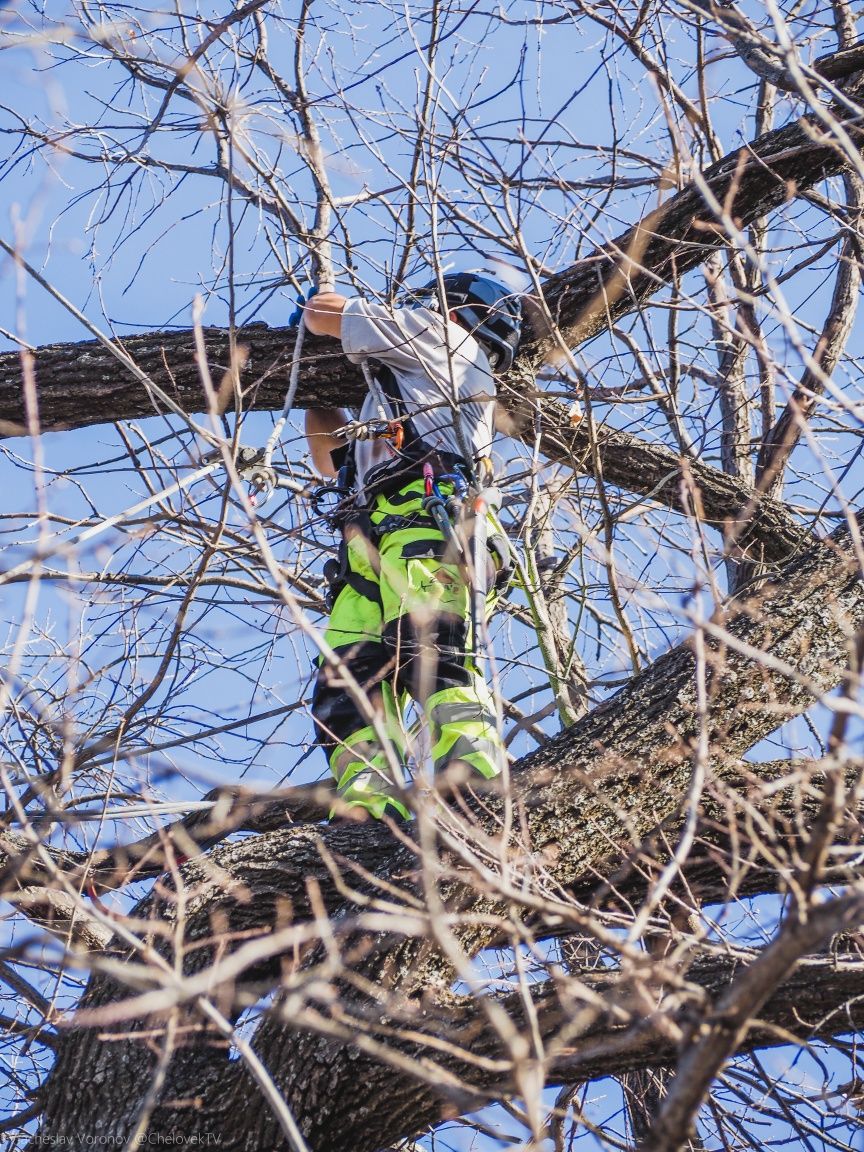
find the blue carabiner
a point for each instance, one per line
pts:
(460, 485)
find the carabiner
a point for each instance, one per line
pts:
(396, 433)
(262, 485)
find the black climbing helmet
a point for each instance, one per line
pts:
(490, 312)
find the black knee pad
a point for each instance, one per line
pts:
(335, 714)
(435, 659)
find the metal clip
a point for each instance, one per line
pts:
(263, 479)
(374, 430)
(262, 485)
(260, 477)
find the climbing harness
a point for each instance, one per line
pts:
(461, 516)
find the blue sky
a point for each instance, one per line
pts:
(133, 253)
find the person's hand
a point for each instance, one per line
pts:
(301, 302)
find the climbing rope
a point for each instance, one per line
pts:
(266, 478)
(265, 482)
(246, 464)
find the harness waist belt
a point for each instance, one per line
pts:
(408, 466)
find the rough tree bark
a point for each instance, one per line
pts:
(587, 800)
(81, 383)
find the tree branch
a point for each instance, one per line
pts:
(589, 797)
(81, 383)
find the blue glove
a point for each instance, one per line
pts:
(296, 316)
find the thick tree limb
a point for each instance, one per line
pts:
(82, 384)
(782, 795)
(839, 65)
(729, 1023)
(822, 997)
(587, 799)
(235, 809)
(677, 237)
(755, 526)
(803, 1005)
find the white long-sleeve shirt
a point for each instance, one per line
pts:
(443, 375)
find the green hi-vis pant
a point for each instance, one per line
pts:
(401, 624)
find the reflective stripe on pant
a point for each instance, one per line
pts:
(401, 624)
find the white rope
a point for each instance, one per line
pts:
(293, 379)
(384, 410)
(108, 522)
(133, 810)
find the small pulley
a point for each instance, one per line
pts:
(392, 430)
(262, 478)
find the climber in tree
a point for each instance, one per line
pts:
(404, 593)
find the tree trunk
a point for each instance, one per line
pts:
(588, 798)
